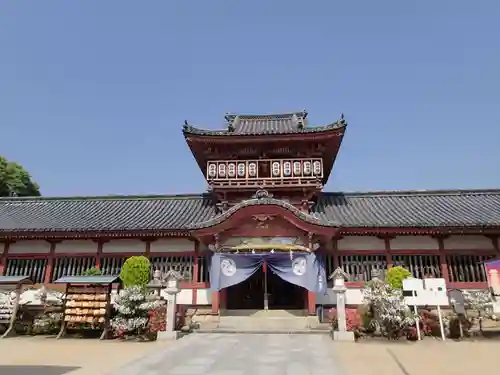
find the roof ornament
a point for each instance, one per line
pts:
(342, 115)
(262, 193)
(186, 125)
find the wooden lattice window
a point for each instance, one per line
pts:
(421, 266)
(34, 268)
(360, 267)
(72, 266)
(203, 269)
(112, 266)
(183, 264)
(467, 268)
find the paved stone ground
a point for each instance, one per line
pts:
(239, 354)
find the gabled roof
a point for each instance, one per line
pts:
(397, 209)
(267, 124)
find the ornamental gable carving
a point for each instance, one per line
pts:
(265, 226)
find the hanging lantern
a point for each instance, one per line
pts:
(241, 169)
(222, 170)
(252, 169)
(307, 168)
(317, 168)
(276, 169)
(297, 168)
(212, 170)
(231, 170)
(287, 168)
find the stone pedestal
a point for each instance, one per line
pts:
(343, 336)
(340, 290)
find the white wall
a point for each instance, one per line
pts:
(360, 243)
(414, 243)
(26, 247)
(468, 243)
(172, 245)
(76, 246)
(124, 246)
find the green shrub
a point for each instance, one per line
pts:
(94, 271)
(395, 277)
(135, 271)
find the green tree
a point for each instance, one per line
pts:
(135, 271)
(93, 271)
(16, 181)
(396, 275)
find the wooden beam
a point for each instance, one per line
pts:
(3, 257)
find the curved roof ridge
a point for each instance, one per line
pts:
(311, 218)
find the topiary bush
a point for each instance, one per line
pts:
(395, 277)
(136, 271)
(94, 271)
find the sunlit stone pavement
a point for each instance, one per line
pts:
(239, 354)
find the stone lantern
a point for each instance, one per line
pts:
(169, 282)
(339, 289)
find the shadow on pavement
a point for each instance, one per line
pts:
(36, 370)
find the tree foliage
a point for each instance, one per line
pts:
(16, 181)
(94, 271)
(135, 271)
(396, 275)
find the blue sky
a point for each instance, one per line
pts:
(93, 94)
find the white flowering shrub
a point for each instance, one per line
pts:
(390, 314)
(132, 306)
(480, 302)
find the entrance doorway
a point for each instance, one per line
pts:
(283, 295)
(249, 294)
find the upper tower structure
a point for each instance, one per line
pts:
(280, 153)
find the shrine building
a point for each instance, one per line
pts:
(265, 207)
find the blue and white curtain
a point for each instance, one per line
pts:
(302, 269)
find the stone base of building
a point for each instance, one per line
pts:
(343, 336)
(168, 336)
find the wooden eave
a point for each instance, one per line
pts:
(332, 140)
(264, 138)
(92, 234)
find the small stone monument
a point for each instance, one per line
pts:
(339, 277)
(171, 281)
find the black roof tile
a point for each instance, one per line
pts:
(287, 123)
(380, 209)
(445, 208)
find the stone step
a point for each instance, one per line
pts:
(265, 313)
(267, 331)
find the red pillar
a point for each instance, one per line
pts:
(311, 302)
(3, 258)
(50, 264)
(442, 260)
(98, 255)
(215, 303)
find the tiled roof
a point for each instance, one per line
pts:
(381, 209)
(103, 213)
(287, 123)
(445, 208)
